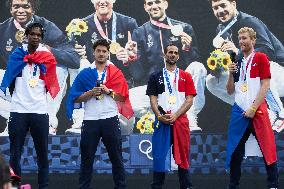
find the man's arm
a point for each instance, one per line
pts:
(265, 84)
(61, 47)
(231, 83)
(166, 118)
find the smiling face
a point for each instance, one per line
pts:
(22, 11)
(103, 7)
(246, 42)
(156, 9)
(224, 10)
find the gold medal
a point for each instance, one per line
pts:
(172, 99)
(20, 35)
(100, 97)
(114, 48)
(33, 82)
(244, 87)
(177, 30)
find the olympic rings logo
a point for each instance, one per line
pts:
(147, 151)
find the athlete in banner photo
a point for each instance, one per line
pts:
(151, 38)
(12, 36)
(171, 93)
(30, 74)
(249, 79)
(104, 91)
(231, 20)
(117, 28)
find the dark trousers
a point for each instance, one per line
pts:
(184, 179)
(236, 161)
(37, 124)
(91, 133)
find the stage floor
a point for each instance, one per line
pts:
(143, 181)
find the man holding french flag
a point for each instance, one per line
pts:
(30, 74)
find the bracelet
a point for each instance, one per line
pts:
(112, 94)
(253, 109)
(159, 117)
(109, 92)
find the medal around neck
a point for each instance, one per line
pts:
(172, 100)
(19, 36)
(177, 30)
(114, 48)
(244, 87)
(218, 42)
(33, 82)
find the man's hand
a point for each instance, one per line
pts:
(233, 68)
(249, 113)
(166, 118)
(186, 40)
(81, 50)
(122, 55)
(105, 90)
(97, 91)
(229, 46)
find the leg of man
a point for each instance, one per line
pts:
(111, 137)
(237, 158)
(272, 170)
(18, 128)
(158, 180)
(198, 73)
(39, 131)
(184, 178)
(90, 137)
(54, 104)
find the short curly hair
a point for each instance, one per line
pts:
(101, 42)
(248, 30)
(34, 3)
(35, 25)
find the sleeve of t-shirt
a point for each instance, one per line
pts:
(264, 70)
(152, 88)
(190, 88)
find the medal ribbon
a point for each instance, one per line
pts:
(168, 80)
(101, 31)
(103, 75)
(244, 71)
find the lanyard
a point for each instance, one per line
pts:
(244, 71)
(101, 31)
(103, 75)
(168, 80)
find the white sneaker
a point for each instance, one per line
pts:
(5, 132)
(73, 131)
(193, 123)
(278, 125)
(52, 131)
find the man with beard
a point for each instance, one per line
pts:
(107, 24)
(12, 36)
(104, 91)
(249, 80)
(30, 74)
(171, 91)
(231, 20)
(151, 38)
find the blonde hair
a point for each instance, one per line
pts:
(248, 30)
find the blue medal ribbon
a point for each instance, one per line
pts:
(168, 80)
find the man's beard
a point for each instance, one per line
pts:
(171, 62)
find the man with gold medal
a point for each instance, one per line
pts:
(23, 12)
(105, 23)
(171, 93)
(249, 81)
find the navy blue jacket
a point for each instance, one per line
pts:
(150, 54)
(266, 41)
(123, 25)
(54, 38)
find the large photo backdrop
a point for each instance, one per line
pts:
(215, 114)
